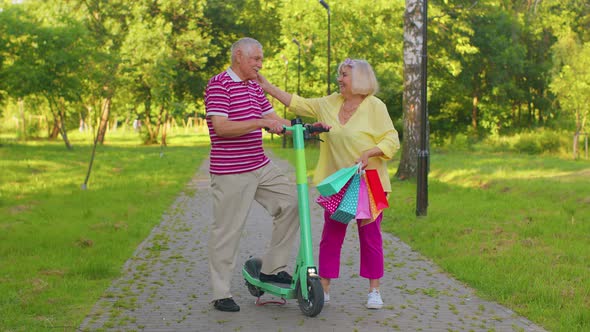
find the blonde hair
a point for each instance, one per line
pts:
(245, 44)
(363, 79)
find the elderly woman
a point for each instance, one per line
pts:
(361, 132)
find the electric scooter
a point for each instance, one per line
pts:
(306, 286)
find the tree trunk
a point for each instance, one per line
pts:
(474, 113)
(104, 119)
(56, 125)
(412, 94)
(21, 109)
(164, 129)
(55, 129)
(152, 137)
(575, 144)
(62, 128)
(57, 110)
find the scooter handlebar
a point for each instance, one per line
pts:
(313, 129)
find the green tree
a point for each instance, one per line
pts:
(227, 21)
(106, 22)
(365, 30)
(163, 58)
(572, 83)
(44, 56)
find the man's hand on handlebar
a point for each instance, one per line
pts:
(274, 127)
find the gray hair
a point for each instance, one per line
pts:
(363, 79)
(246, 44)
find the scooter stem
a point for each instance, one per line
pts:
(306, 248)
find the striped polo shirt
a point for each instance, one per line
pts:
(227, 95)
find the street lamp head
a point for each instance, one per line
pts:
(296, 42)
(325, 4)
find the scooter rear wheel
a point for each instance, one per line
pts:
(254, 291)
(315, 293)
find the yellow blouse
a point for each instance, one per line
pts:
(368, 127)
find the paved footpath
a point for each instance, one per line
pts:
(165, 286)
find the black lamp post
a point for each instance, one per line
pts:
(298, 64)
(423, 154)
(285, 107)
(325, 4)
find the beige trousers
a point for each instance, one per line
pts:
(233, 196)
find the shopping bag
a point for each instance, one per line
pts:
(330, 203)
(333, 183)
(376, 189)
(347, 208)
(373, 207)
(364, 209)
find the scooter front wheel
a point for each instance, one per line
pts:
(315, 297)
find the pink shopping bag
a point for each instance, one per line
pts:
(364, 208)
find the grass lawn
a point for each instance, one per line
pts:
(514, 227)
(61, 246)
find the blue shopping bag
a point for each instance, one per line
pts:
(347, 208)
(330, 203)
(336, 181)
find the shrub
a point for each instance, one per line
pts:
(550, 141)
(528, 144)
(461, 142)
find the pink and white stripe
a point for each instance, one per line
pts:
(226, 95)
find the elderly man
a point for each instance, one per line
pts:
(237, 110)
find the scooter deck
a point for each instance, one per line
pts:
(276, 284)
(251, 273)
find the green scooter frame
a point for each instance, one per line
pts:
(306, 286)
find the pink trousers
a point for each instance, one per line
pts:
(331, 246)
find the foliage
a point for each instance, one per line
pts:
(47, 49)
(572, 83)
(535, 142)
(230, 20)
(163, 55)
(494, 67)
(527, 144)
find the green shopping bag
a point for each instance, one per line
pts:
(346, 210)
(333, 183)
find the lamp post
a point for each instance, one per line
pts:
(298, 64)
(423, 154)
(285, 107)
(325, 4)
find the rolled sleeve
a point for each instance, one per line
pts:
(389, 144)
(388, 140)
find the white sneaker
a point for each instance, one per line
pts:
(326, 297)
(374, 300)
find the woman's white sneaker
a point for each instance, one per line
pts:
(374, 300)
(326, 297)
